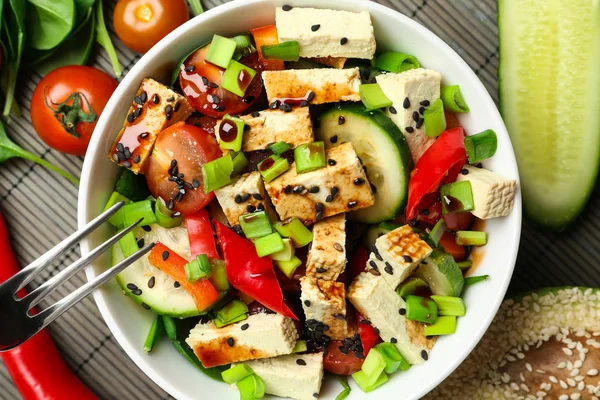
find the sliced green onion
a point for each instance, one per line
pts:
(373, 366)
(118, 218)
(471, 238)
(239, 161)
(435, 120)
(411, 286)
(361, 380)
(133, 212)
(448, 305)
(235, 374)
(457, 197)
(232, 310)
(220, 51)
(220, 324)
(286, 51)
(255, 225)
(309, 157)
(421, 309)
(244, 47)
(465, 265)
(294, 229)
(392, 357)
(217, 173)
(396, 62)
(271, 167)
(197, 269)
(437, 232)
(128, 244)
(251, 387)
(481, 146)
(231, 133)
(471, 280)
(373, 97)
(346, 391)
(165, 217)
(219, 275)
(300, 347)
(280, 147)
(286, 254)
(237, 77)
(289, 267)
(445, 325)
(453, 99)
(269, 244)
(153, 334)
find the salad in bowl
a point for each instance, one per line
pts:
(314, 204)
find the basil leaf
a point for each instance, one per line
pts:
(49, 22)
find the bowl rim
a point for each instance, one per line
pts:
(128, 80)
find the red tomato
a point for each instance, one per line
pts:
(458, 221)
(140, 24)
(448, 242)
(191, 147)
(59, 95)
(339, 363)
(368, 336)
(202, 85)
(205, 122)
(432, 214)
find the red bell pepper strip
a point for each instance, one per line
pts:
(442, 162)
(368, 337)
(171, 263)
(249, 273)
(36, 367)
(200, 233)
(267, 35)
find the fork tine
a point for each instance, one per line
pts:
(47, 287)
(56, 310)
(23, 277)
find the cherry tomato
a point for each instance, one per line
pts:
(339, 363)
(205, 122)
(200, 82)
(432, 214)
(140, 24)
(66, 105)
(191, 147)
(368, 336)
(458, 221)
(448, 242)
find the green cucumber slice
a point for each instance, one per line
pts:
(442, 274)
(383, 150)
(550, 100)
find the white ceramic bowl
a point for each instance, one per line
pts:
(129, 322)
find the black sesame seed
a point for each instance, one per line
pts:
(275, 105)
(288, 189)
(319, 215)
(244, 327)
(314, 189)
(359, 181)
(374, 272)
(248, 99)
(421, 110)
(126, 164)
(130, 118)
(137, 159)
(168, 109)
(416, 116)
(286, 7)
(388, 268)
(132, 286)
(300, 362)
(315, 28)
(170, 99)
(141, 242)
(156, 99)
(393, 110)
(373, 188)
(257, 196)
(402, 311)
(321, 270)
(419, 123)
(255, 114)
(190, 68)
(147, 228)
(220, 108)
(307, 303)
(144, 135)
(376, 330)
(251, 208)
(373, 264)
(238, 199)
(165, 255)
(341, 120)
(138, 100)
(245, 197)
(338, 247)
(146, 306)
(424, 355)
(393, 340)
(137, 112)
(177, 106)
(230, 342)
(334, 191)
(359, 354)
(425, 211)
(311, 96)
(319, 207)
(408, 259)
(333, 139)
(331, 162)
(285, 107)
(298, 189)
(406, 103)
(176, 284)
(343, 41)
(120, 147)
(465, 171)
(216, 99)
(144, 96)
(151, 282)
(136, 292)
(195, 183)
(410, 129)
(339, 316)
(260, 207)
(205, 80)
(425, 103)
(127, 152)
(212, 85)
(303, 103)
(316, 395)
(352, 204)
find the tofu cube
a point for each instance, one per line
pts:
(339, 33)
(327, 255)
(327, 85)
(397, 254)
(377, 301)
(325, 301)
(154, 108)
(297, 376)
(243, 195)
(416, 85)
(262, 336)
(493, 195)
(336, 193)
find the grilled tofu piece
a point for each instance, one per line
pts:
(245, 194)
(397, 254)
(494, 195)
(325, 192)
(377, 301)
(325, 302)
(263, 336)
(327, 255)
(154, 108)
(326, 85)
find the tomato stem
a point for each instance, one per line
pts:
(70, 112)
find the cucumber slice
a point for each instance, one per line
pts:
(442, 274)
(550, 100)
(374, 232)
(383, 150)
(163, 298)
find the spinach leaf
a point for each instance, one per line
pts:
(9, 149)
(196, 6)
(103, 39)
(82, 8)
(49, 22)
(13, 36)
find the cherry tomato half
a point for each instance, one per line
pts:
(140, 24)
(448, 242)
(205, 122)
(66, 105)
(339, 363)
(191, 147)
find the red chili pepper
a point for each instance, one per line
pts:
(171, 263)
(36, 367)
(202, 239)
(249, 273)
(442, 162)
(368, 337)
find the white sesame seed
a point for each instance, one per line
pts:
(514, 386)
(571, 382)
(567, 351)
(529, 367)
(564, 397)
(575, 396)
(581, 385)
(562, 365)
(592, 372)
(575, 372)
(578, 364)
(553, 379)
(524, 387)
(540, 371)
(505, 377)
(563, 384)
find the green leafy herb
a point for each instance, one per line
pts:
(82, 10)
(103, 39)
(196, 6)
(49, 22)
(12, 37)
(471, 280)
(9, 149)
(346, 392)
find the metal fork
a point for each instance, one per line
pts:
(17, 321)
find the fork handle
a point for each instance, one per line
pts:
(36, 366)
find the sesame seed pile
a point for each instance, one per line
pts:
(545, 345)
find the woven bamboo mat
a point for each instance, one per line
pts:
(40, 208)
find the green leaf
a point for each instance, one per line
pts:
(13, 39)
(9, 149)
(82, 9)
(49, 22)
(103, 39)
(196, 6)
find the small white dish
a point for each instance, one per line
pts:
(129, 322)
